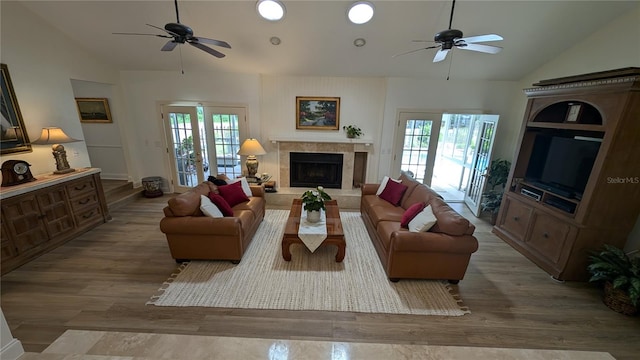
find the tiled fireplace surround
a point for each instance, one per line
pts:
(347, 149)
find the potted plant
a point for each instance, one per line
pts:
(313, 201)
(352, 131)
(496, 178)
(621, 277)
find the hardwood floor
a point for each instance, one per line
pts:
(102, 280)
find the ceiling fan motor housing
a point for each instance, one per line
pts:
(447, 35)
(179, 29)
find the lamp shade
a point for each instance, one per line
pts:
(53, 135)
(251, 147)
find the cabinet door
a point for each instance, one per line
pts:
(7, 248)
(516, 218)
(56, 210)
(26, 226)
(550, 236)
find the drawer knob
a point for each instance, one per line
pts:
(516, 218)
(81, 187)
(88, 215)
(545, 235)
(82, 202)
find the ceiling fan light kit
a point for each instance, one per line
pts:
(360, 12)
(272, 10)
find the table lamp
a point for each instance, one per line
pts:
(251, 147)
(55, 136)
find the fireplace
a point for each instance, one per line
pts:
(313, 169)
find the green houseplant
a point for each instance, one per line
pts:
(352, 131)
(313, 201)
(496, 178)
(621, 277)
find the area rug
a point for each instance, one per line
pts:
(310, 281)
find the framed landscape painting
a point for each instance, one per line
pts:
(94, 110)
(317, 113)
(13, 137)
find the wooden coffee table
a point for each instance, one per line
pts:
(335, 234)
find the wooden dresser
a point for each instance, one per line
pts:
(43, 214)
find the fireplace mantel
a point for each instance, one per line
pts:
(365, 142)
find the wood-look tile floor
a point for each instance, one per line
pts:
(102, 280)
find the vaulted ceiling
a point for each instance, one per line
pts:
(318, 40)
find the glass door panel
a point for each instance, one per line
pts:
(224, 130)
(417, 138)
(484, 132)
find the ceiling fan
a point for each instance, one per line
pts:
(180, 34)
(449, 38)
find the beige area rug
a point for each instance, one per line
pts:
(311, 281)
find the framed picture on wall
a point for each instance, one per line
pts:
(13, 137)
(317, 113)
(94, 110)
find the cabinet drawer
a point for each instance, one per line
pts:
(86, 200)
(88, 216)
(81, 187)
(516, 218)
(550, 236)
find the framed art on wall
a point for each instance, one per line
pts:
(13, 135)
(317, 113)
(94, 110)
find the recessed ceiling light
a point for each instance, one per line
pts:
(272, 10)
(359, 42)
(360, 12)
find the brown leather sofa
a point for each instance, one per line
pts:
(443, 252)
(192, 235)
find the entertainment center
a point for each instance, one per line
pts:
(578, 133)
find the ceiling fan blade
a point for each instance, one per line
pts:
(163, 29)
(221, 43)
(440, 55)
(481, 48)
(163, 36)
(211, 51)
(481, 38)
(416, 50)
(170, 45)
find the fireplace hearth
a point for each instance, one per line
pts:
(315, 169)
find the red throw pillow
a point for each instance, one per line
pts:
(221, 203)
(410, 213)
(393, 192)
(233, 193)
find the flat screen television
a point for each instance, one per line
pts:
(562, 165)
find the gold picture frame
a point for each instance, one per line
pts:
(94, 110)
(13, 136)
(317, 113)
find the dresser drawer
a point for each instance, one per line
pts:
(550, 236)
(89, 215)
(516, 218)
(81, 187)
(84, 200)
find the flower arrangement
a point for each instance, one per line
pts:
(352, 131)
(314, 199)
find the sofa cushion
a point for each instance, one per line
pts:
(245, 185)
(221, 203)
(380, 210)
(209, 208)
(423, 221)
(383, 184)
(233, 193)
(449, 221)
(420, 193)
(410, 183)
(393, 192)
(188, 203)
(410, 213)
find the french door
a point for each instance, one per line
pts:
(202, 141)
(416, 144)
(483, 135)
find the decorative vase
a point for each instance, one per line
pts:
(313, 216)
(351, 136)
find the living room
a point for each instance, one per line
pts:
(43, 77)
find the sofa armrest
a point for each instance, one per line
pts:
(257, 190)
(201, 225)
(404, 240)
(370, 189)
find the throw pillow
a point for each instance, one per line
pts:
(411, 213)
(383, 184)
(208, 208)
(233, 193)
(216, 181)
(245, 185)
(221, 203)
(423, 221)
(393, 192)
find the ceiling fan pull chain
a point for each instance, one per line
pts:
(181, 64)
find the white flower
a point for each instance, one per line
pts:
(320, 188)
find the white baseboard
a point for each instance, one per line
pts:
(108, 176)
(12, 351)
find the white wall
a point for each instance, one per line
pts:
(41, 62)
(143, 91)
(103, 140)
